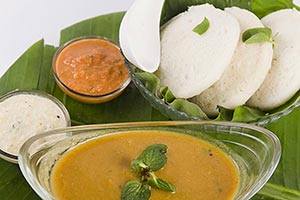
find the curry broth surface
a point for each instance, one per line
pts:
(99, 168)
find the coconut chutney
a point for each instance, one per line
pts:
(24, 114)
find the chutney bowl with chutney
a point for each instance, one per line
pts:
(90, 69)
(24, 113)
(230, 160)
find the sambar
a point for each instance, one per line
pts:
(98, 169)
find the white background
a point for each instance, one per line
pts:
(23, 22)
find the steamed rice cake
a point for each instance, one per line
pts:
(190, 62)
(246, 72)
(283, 79)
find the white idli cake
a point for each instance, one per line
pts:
(191, 62)
(246, 72)
(283, 80)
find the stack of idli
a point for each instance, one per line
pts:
(190, 62)
(283, 80)
(217, 68)
(244, 75)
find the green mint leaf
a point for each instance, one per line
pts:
(162, 185)
(134, 190)
(152, 158)
(257, 35)
(135, 166)
(139, 166)
(166, 95)
(202, 27)
(258, 38)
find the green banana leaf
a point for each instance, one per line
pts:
(275, 192)
(33, 71)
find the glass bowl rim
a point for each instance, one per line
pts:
(80, 38)
(269, 118)
(255, 187)
(12, 157)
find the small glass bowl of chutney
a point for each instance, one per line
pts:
(90, 69)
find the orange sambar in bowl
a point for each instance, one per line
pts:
(99, 168)
(90, 67)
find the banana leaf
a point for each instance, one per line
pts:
(33, 71)
(275, 192)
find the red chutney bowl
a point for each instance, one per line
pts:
(90, 69)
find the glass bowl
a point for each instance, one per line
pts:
(25, 113)
(254, 150)
(102, 72)
(175, 114)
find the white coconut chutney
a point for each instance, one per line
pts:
(24, 115)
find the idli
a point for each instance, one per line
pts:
(191, 62)
(283, 79)
(246, 72)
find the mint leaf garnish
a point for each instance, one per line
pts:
(162, 185)
(202, 27)
(134, 190)
(257, 35)
(152, 159)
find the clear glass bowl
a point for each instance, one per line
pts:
(255, 150)
(13, 157)
(83, 97)
(174, 114)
